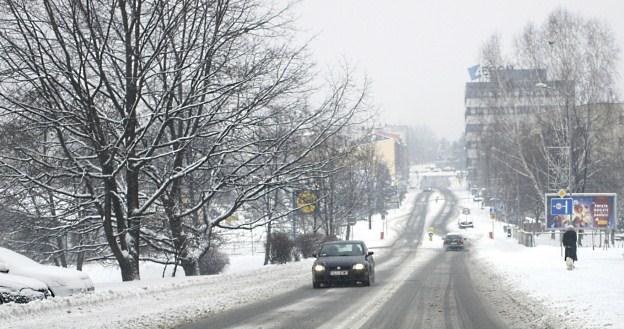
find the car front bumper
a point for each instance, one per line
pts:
(352, 277)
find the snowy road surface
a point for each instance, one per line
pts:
(415, 288)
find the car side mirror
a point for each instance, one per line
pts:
(4, 268)
(370, 253)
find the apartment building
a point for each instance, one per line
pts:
(503, 95)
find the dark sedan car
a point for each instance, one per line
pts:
(343, 262)
(454, 241)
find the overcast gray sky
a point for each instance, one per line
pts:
(417, 52)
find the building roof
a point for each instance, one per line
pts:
(381, 135)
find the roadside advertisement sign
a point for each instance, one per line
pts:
(589, 211)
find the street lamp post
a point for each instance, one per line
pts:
(569, 136)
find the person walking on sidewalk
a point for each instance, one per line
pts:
(569, 244)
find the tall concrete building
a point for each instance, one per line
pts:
(505, 94)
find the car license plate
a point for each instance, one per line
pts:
(338, 272)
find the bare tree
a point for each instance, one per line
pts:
(557, 139)
(141, 98)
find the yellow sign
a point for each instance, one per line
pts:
(306, 201)
(562, 193)
(232, 219)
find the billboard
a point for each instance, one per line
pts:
(589, 211)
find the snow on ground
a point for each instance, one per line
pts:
(244, 263)
(157, 302)
(589, 297)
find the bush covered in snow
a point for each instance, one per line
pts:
(281, 248)
(309, 243)
(213, 262)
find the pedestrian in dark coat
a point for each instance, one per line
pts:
(569, 243)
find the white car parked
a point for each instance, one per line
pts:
(60, 281)
(19, 289)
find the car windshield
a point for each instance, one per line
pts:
(454, 237)
(342, 249)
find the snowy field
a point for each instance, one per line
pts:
(588, 297)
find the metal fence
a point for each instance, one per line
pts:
(585, 239)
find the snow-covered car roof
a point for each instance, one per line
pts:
(61, 281)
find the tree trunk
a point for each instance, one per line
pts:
(129, 270)
(116, 240)
(267, 245)
(80, 260)
(60, 246)
(190, 266)
(134, 220)
(180, 241)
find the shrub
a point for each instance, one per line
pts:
(213, 262)
(281, 248)
(308, 243)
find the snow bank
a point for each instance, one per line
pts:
(150, 304)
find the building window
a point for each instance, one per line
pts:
(474, 127)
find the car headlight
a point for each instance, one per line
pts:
(358, 267)
(319, 268)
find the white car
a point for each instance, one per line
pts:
(60, 281)
(19, 289)
(466, 224)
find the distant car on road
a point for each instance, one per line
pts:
(466, 224)
(60, 281)
(454, 241)
(428, 189)
(19, 289)
(477, 199)
(343, 262)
